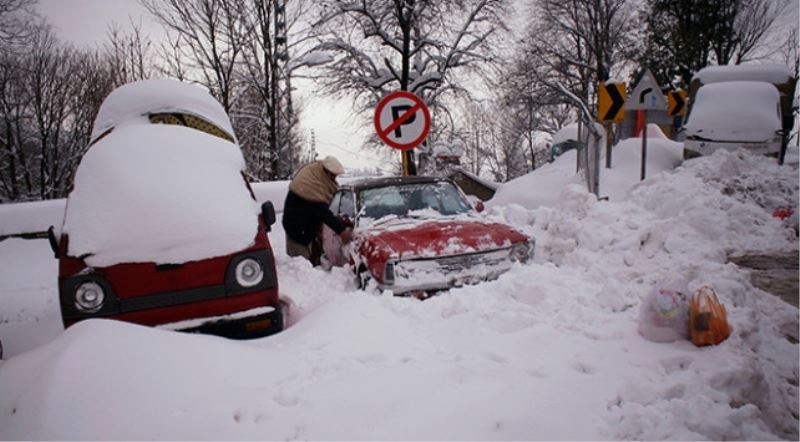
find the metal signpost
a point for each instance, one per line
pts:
(646, 96)
(402, 121)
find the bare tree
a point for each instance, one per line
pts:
(16, 21)
(129, 55)
(579, 43)
(419, 46)
(684, 36)
(238, 49)
(209, 34)
(49, 96)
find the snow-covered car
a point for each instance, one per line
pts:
(733, 115)
(746, 106)
(161, 227)
(419, 235)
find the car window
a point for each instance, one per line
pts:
(335, 203)
(412, 200)
(347, 205)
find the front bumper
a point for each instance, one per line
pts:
(253, 323)
(441, 273)
(694, 148)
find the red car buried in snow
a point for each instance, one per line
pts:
(161, 227)
(419, 235)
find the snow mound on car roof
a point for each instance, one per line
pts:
(167, 194)
(131, 103)
(769, 72)
(735, 111)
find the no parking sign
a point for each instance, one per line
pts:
(402, 120)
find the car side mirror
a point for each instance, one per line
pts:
(479, 206)
(268, 215)
(51, 236)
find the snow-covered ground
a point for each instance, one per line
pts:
(550, 350)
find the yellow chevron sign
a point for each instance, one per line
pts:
(676, 103)
(611, 102)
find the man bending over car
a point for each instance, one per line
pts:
(306, 208)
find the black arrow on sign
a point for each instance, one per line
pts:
(644, 94)
(679, 103)
(617, 101)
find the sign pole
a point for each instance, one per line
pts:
(409, 166)
(608, 144)
(644, 146)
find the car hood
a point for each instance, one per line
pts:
(410, 238)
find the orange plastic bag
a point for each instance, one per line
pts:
(708, 318)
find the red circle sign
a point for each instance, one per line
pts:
(402, 120)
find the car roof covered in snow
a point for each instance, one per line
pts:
(133, 102)
(136, 198)
(746, 111)
(769, 72)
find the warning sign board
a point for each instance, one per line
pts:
(610, 102)
(677, 103)
(402, 120)
(647, 95)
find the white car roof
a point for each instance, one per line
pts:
(131, 103)
(747, 111)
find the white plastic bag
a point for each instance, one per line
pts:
(664, 314)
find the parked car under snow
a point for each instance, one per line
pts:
(161, 227)
(419, 235)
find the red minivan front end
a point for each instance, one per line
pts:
(235, 296)
(161, 227)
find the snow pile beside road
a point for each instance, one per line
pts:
(550, 350)
(540, 188)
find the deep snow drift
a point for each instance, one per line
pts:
(550, 350)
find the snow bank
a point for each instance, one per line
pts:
(31, 217)
(549, 351)
(543, 186)
(566, 133)
(131, 103)
(274, 191)
(735, 111)
(137, 198)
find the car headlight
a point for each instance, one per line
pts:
(249, 272)
(520, 251)
(388, 273)
(89, 297)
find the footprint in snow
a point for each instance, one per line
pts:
(582, 367)
(286, 400)
(676, 363)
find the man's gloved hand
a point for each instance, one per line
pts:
(346, 236)
(346, 221)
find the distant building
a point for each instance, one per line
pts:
(443, 159)
(473, 185)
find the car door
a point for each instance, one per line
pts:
(331, 244)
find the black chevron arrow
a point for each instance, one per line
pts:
(679, 103)
(617, 101)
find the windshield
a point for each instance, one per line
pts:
(440, 198)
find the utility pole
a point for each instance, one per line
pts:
(282, 92)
